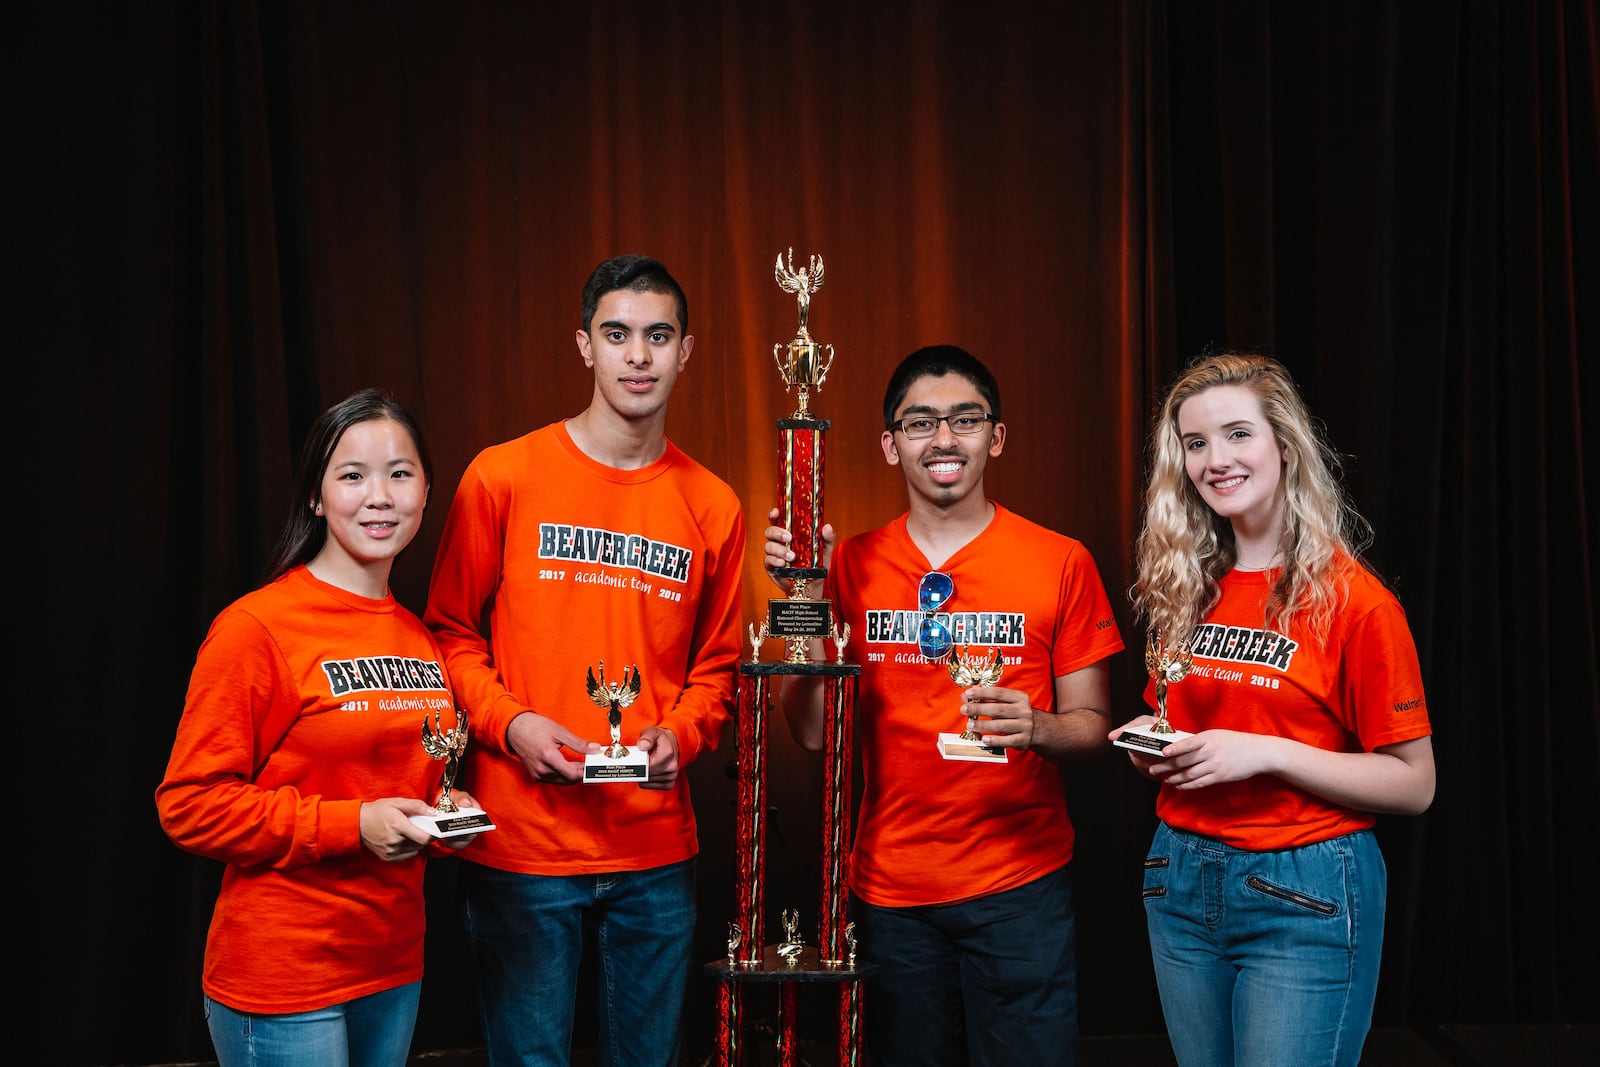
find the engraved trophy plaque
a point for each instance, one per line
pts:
(967, 671)
(617, 762)
(448, 745)
(1164, 666)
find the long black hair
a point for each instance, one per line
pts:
(304, 531)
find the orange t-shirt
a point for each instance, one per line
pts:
(305, 701)
(936, 831)
(575, 563)
(1356, 692)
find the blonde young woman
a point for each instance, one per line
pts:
(1264, 887)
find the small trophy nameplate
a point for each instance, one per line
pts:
(1164, 666)
(796, 616)
(448, 745)
(617, 762)
(966, 672)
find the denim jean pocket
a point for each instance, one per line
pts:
(1290, 896)
(1155, 874)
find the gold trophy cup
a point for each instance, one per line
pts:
(803, 362)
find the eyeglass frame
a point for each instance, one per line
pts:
(982, 417)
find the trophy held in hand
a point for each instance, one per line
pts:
(448, 745)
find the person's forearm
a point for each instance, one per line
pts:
(802, 708)
(1396, 780)
(1072, 734)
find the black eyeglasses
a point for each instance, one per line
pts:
(917, 427)
(934, 640)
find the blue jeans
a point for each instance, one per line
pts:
(370, 1031)
(526, 933)
(1265, 957)
(988, 981)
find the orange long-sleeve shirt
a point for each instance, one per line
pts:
(305, 701)
(575, 563)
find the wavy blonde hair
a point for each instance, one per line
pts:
(1184, 548)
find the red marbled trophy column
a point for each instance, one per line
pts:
(800, 452)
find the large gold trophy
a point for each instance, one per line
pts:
(796, 620)
(804, 365)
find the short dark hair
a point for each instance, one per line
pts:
(638, 273)
(305, 532)
(935, 361)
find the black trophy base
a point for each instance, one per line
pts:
(783, 667)
(455, 823)
(603, 769)
(783, 574)
(1147, 741)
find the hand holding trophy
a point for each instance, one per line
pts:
(967, 671)
(616, 763)
(448, 745)
(1164, 666)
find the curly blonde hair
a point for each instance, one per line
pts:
(1184, 548)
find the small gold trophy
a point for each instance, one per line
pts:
(966, 672)
(448, 745)
(1164, 666)
(616, 763)
(793, 946)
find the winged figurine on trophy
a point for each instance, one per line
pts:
(967, 670)
(448, 745)
(616, 763)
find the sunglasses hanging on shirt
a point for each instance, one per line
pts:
(934, 591)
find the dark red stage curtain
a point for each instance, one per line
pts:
(237, 213)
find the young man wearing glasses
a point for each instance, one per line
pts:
(587, 542)
(962, 897)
